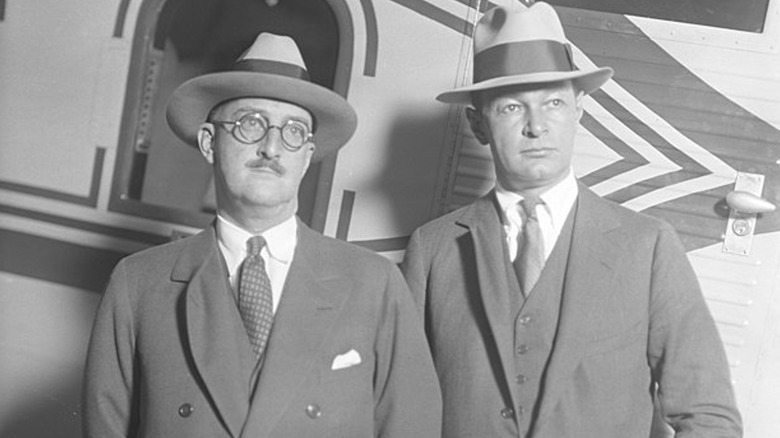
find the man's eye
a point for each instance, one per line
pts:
(511, 108)
(556, 102)
(251, 122)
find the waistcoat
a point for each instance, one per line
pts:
(535, 322)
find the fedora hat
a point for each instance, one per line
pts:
(271, 68)
(522, 44)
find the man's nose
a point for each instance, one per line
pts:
(534, 125)
(271, 145)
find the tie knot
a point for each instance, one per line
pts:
(528, 206)
(255, 244)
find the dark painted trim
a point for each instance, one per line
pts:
(107, 230)
(438, 15)
(483, 6)
(2, 10)
(383, 245)
(345, 215)
(372, 38)
(341, 82)
(90, 200)
(121, 15)
(60, 262)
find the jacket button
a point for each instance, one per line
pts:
(185, 410)
(313, 411)
(507, 413)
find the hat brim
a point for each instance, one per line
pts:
(588, 82)
(189, 105)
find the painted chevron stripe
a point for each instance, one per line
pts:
(707, 136)
(667, 151)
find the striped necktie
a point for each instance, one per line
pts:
(255, 301)
(530, 250)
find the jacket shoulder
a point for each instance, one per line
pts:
(639, 222)
(159, 255)
(345, 255)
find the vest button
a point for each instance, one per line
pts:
(520, 410)
(185, 410)
(520, 379)
(523, 349)
(507, 413)
(525, 320)
(313, 411)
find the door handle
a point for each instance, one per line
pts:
(745, 203)
(748, 203)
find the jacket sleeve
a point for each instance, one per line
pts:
(406, 390)
(685, 352)
(108, 408)
(416, 272)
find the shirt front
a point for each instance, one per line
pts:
(558, 202)
(277, 253)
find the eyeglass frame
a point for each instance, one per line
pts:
(237, 124)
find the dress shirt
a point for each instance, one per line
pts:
(277, 253)
(558, 202)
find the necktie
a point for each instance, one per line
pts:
(255, 301)
(530, 251)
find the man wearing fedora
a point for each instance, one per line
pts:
(259, 326)
(551, 312)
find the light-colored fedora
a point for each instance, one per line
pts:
(521, 44)
(271, 68)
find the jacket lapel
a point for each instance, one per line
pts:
(588, 274)
(211, 318)
(309, 308)
(483, 220)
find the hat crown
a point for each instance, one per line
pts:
(517, 44)
(518, 23)
(274, 48)
(271, 68)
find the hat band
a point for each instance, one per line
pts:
(527, 57)
(272, 67)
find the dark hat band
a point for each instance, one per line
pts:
(520, 58)
(272, 67)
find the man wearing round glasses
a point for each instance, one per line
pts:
(260, 149)
(259, 326)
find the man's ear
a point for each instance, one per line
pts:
(310, 148)
(206, 141)
(476, 123)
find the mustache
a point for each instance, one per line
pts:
(263, 163)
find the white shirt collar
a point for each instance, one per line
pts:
(558, 200)
(280, 241)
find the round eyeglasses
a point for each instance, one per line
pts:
(253, 127)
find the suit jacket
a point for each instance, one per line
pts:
(169, 356)
(632, 319)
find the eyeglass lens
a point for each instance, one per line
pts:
(253, 127)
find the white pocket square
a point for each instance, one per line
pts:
(346, 360)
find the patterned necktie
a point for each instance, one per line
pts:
(530, 250)
(255, 301)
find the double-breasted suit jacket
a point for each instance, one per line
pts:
(632, 325)
(347, 357)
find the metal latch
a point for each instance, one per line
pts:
(745, 204)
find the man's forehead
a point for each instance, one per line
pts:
(264, 106)
(530, 89)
